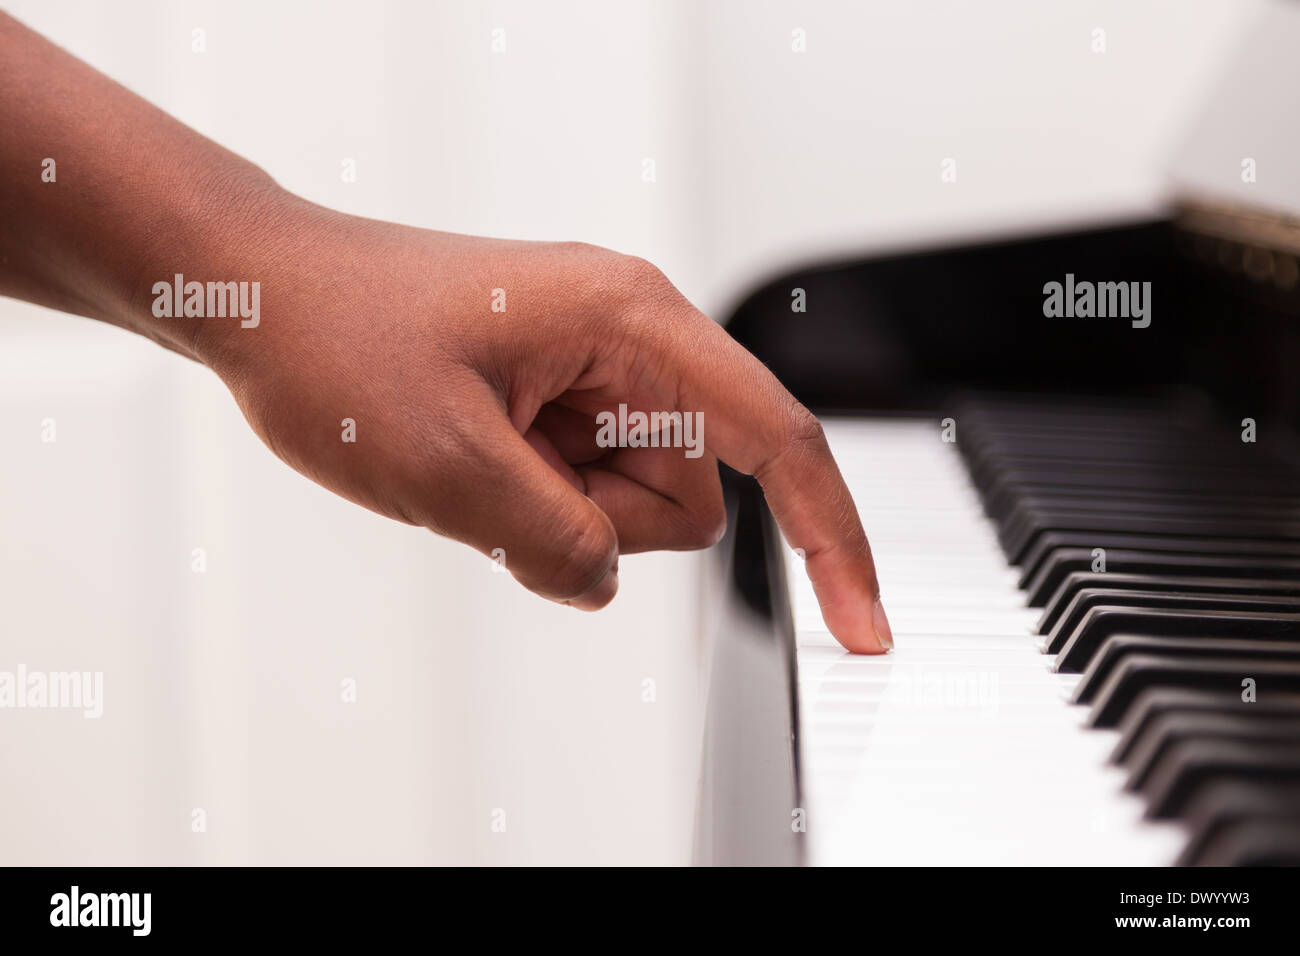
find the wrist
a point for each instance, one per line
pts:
(197, 288)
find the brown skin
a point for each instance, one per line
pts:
(475, 423)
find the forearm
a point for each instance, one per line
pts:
(132, 197)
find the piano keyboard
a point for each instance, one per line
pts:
(1104, 726)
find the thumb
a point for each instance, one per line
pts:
(522, 512)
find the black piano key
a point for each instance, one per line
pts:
(992, 469)
(1005, 488)
(1154, 703)
(1102, 621)
(1223, 461)
(1027, 522)
(1116, 648)
(1253, 842)
(1223, 805)
(1077, 581)
(1206, 532)
(1062, 562)
(1176, 727)
(1228, 504)
(1254, 474)
(1030, 518)
(1189, 765)
(1103, 596)
(1207, 551)
(1139, 672)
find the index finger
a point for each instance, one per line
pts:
(757, 427)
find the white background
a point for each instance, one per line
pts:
(223, 689)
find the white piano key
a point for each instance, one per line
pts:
(960, 747)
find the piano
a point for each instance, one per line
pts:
(1087, 527)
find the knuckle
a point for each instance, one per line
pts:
(583, 250)
(799, 431)
(610, 286)
(642, 270)
(802, 429)
(626, 296)
(639, 279)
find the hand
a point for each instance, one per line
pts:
(474, 421)
(473, 371)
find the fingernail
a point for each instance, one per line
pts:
(881, 622)
(600, 595)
